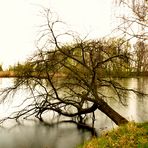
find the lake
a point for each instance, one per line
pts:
(67, 135)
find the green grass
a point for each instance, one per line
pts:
(132, 135)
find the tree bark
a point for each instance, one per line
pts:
(111, 113)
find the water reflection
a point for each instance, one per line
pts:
(39, 136)
(138, 105)
(67, 135)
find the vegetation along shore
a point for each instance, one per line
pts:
(127, 136)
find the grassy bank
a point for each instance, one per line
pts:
(131, 135)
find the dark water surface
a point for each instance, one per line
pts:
(39, 136)
(68, 135)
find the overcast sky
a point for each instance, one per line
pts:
(19, 20)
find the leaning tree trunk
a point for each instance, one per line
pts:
(111, 113)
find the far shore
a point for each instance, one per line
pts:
(13, 74)
(7, 74)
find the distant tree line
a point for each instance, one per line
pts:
(134, 62)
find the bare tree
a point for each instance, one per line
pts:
(134, 25)
(70, 79)
(134, 18)
(141, 50)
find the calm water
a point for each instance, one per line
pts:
(67, 135)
